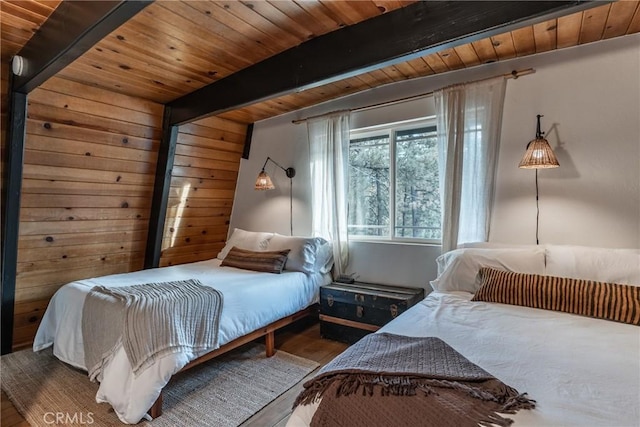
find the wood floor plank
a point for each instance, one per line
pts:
(10, 415)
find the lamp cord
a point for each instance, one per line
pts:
(291, 205)
(537, 210)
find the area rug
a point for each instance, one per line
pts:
(222, 392)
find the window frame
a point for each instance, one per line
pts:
(390, 130)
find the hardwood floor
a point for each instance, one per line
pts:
(301, 338)
(10, 416)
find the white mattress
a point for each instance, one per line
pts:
(251, 300)
(581, 371)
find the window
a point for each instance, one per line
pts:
(393, 183)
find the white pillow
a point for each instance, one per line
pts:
(304, 251)
(324, 257)
(458, 269)
(248, 240)
(598, 264)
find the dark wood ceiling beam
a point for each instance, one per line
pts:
(11, 212)
(161, 187)
(415, 30)
(72, 29)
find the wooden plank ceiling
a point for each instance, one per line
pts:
(172, 48)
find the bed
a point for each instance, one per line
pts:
(581, 371)
(253, 301)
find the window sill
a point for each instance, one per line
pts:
(395, 242)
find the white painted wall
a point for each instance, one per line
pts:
(591, 108)
(590, 97)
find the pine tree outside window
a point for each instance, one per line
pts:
(394, 184)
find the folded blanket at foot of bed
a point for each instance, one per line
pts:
(149, 320)
(387, 379)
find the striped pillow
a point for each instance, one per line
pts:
(269, 262)
(609, 301)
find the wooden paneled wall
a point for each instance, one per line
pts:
(90, 159)
(203, 184)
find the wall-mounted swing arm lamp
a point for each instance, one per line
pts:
(263, 182)
(539, 155)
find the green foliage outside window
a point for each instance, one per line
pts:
(414, 211)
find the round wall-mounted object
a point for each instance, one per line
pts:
(17, 65)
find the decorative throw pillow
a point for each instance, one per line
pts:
(609, 301)
(269, 262)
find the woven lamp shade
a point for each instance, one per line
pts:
(539, 155)
(263, 182)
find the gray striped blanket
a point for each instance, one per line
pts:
(150, 321)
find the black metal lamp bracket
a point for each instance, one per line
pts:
(539, 133)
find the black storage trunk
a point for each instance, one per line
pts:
(348, 312)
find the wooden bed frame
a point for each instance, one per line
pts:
(268, 332)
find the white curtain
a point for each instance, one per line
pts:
(329, 159)
(469, 120)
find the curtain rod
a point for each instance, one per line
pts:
(512, 75)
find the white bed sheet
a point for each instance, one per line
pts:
(581, 371)
(251, 300)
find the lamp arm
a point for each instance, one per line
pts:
(276, 163)
(290, 172)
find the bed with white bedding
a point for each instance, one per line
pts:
(581, 371)
(252, 300)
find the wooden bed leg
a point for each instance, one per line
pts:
(270, 343)
(156, 410)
